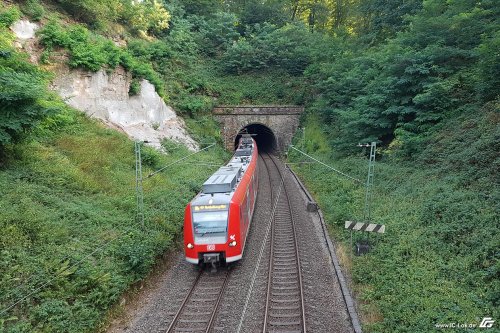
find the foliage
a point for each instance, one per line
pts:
(267, 47)
(68, 218)
(93, 52)
(24, 98)
(33, 9)
(87, 50)
(419, 77)
(94, 12)
(400, 91)
(383, 19)
(148, 17)
(135, 88)
(9, 15)
(217, 34)
(438, 259)
(143, 18)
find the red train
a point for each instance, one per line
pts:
(217, 220)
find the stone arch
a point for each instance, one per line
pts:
(282, 121)
(263, 135)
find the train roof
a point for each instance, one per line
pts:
(220, 187)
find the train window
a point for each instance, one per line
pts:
(210, 227)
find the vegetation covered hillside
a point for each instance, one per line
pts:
(418, 77)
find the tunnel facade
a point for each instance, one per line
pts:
(272, 127)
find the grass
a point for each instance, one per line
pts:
(67, 215)
(438, 259)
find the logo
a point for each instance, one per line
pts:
(232, 237)
(210, 247)
(487, 322)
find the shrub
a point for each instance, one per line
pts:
(142, 70)
(8, 16)
(135, 87)
(218, 33)
(266, 47)
(33, 9)
(147, 17)
(87, 50)
(93, 12)
(22, 106)
(53, 34)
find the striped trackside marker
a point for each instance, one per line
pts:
(360, 226)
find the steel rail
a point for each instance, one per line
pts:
(171, 327)
(216, 306)
(183, 304)
(264, 242)
(271, 260)
(346, 295)
(297, 258)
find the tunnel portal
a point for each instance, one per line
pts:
(263, 135)
(273, 126)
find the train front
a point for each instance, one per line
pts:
(206, 220)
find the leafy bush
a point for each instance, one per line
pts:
(142, 70)
(87, 50)
(148, 17)
(218, 33)
(8, 16)
(33, 9)
(94, 12)
(135, 87)
(24, 97)
(53, 34)
(286, 48)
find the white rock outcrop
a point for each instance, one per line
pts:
(143, 117)
(24, 29)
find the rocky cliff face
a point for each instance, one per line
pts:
(105, 96)
(143, 117)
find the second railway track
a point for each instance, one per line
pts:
(284, 310)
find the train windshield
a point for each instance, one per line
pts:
(210, 227)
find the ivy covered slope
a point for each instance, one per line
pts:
(69, 242)
(70, 245)
(438, 260)
(425, 87)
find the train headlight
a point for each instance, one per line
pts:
(233, 243)
(190, 246)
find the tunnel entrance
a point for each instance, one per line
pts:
(263, 135)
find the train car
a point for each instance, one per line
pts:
(217, 220)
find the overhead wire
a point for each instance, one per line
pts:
(179, 160)
(328, 166)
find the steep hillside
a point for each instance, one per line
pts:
(70, 242)
(437, 263)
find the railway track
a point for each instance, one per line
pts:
(198, 309)
(284, 310)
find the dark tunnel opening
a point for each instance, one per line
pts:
(263, 135)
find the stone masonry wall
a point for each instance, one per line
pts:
(282, 120)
